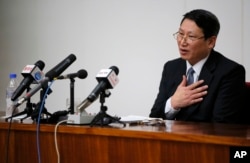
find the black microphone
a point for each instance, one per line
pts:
(107, 79)
(82, 74)
(49, 76)
(30, 73)
(59, 68)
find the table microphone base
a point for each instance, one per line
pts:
(81, 118)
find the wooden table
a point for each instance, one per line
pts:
(173, 142)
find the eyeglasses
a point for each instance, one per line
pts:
(188, 38)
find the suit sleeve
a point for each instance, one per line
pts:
(229, 102)
(158, 108)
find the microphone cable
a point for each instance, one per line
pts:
(55, 138)
(38, 122)
(8, 136)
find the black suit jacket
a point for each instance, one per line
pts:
(226, 86)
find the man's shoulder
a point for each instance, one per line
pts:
(216, 56)
(224, 63)
(176, 61)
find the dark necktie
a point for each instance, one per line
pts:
(190, 76)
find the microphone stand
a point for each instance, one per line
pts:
(36, 111)
(72, 96)
(28, 110)
(102, 118)
(58, 114)
(83, 117)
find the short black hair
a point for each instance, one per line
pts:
(204, 19)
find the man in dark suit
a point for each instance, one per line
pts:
(217, 91)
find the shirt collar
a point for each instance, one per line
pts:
(198, 66)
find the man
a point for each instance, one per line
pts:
(217, 91)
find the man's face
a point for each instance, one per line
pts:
(191, 42)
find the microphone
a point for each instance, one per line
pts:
(49, 76)
(82, 74)
(107, 78)
(59, 68)
(31, 73)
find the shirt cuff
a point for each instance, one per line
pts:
(169, 110)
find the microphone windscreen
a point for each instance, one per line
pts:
(40, 64)
(82, 74)
(116, 70)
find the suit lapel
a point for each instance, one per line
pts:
(177, 78)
